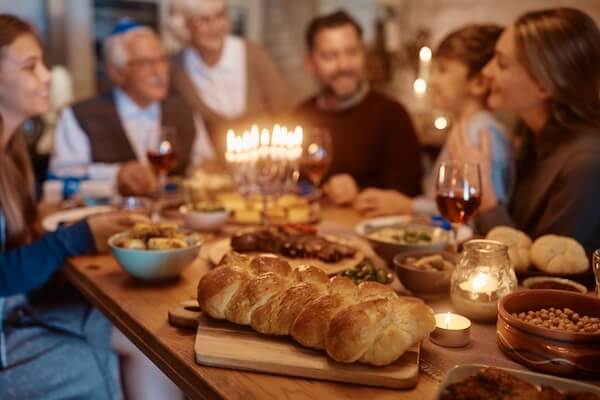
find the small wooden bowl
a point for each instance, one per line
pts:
(551, 351)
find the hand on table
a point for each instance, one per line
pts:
(374, 202)
(135, 178)
(463, 150)
(341, 189)
(104, 225)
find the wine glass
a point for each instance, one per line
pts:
(458, 188)
(162, 158)
(316, 154)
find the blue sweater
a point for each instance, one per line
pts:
(29, 267)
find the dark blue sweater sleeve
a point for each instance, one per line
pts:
(28, 267)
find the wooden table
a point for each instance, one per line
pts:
(140, 309)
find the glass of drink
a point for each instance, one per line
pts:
(162, 158)
(316, 154)
(458, 188)
(161, 155)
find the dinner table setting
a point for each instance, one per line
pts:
(248, 283)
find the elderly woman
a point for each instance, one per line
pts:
(546, 70)
(51, 345)
(225, 79)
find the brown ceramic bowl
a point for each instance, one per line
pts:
(423, 281)
(551, 351)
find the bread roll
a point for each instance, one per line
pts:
(519, 245)
(559, 255)
(368, 323)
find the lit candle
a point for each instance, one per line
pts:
(478, 295)
(451, 330)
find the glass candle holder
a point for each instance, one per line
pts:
(483, 275)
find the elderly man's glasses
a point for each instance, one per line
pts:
(148, 62)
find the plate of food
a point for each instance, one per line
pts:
(288, 208)
(55, 220)
(297, 244)
(477, 381)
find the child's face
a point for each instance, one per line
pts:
(449, 84)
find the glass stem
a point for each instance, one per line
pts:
(454, 237)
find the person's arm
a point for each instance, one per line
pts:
(28, 267)
(202, 149)
(72, 147)
(274, 86)
(403, 173)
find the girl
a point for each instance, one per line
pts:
(545, 69)
(458, 87)
(51, 346)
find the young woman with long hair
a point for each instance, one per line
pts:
(545, 70)
(51, 345)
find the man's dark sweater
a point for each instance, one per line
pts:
(374, 141)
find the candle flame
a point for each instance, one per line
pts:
(480, 280)
(448, 319)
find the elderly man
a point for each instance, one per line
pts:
(374, 141)
(113, 131)
(225, 79)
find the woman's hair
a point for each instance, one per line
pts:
(473, 45)
(16, 177)
(560, 48)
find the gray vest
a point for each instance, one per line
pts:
(99, 119)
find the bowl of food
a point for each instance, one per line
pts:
(390, 236)
(553, 331)
(425, 272)
(155, 251)
(204, 216)
(553, 282)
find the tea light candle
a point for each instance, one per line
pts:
(451, 330)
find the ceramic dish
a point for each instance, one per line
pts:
(553, 351)
(153, 265)
(402, 227)
(53, 221)
(420, 280)
(460, 372)
(552, 282)
(204, 220)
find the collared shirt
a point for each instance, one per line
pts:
(222, 86)
(141, 125)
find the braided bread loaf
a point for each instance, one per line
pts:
(368, 323)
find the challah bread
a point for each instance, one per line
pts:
(368, 323)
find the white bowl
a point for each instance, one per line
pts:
(387, 249)
(204, 221)
(153, 265)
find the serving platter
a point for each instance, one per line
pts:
(226, 345)
(460, 372)
(219, 248)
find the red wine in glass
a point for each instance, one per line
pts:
(457, 207)
(316, 154)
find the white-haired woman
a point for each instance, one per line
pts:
(224, 78)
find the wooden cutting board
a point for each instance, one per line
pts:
(227, 345)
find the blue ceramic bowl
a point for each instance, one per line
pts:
(153, 265)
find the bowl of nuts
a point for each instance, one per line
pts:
(552, 331)
(425, 272)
